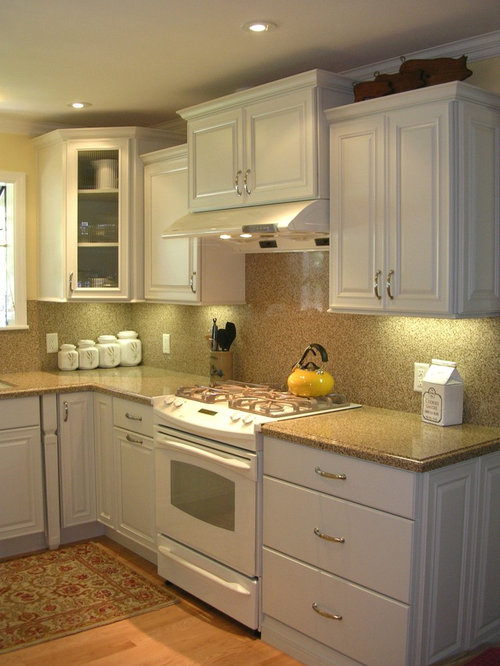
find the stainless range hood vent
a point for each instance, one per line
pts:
(283, 227)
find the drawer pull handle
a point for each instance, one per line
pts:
(324, 613)
(133, 417)
(328, 475)
(134, 440)
(327, 537)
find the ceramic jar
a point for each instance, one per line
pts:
(67, 358)
(130, 348)
(109, 351)
(88, 355)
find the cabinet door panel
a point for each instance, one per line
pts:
(280, 149)
(357, 214)
(135, 487)
(21, 485)
(418, 231)
(103, 430)
(479, 213)
(170, 264)
(77, 461)
(215, 156)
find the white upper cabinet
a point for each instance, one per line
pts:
(415, 225)
(183, 270)
(90, 212)
(264, 145)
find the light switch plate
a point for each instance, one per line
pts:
(166, 343)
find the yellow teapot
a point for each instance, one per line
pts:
(308, 379)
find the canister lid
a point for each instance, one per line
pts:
(128, 334)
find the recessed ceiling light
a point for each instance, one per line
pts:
(80, 105)
(259, 26)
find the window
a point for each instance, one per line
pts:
(12, 250)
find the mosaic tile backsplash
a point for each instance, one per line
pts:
(371, 357)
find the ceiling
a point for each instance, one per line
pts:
(139, 61)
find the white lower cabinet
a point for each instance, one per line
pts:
(125, 471)
(374, 565)
(21, 470)
(76, 458)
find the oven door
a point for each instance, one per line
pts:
(206, 497)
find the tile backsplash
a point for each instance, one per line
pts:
(371, 357)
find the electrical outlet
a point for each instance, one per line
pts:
(52, 343)
(166, 343)
(418, 375)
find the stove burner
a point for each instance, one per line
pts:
(264, 399)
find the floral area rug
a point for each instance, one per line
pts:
(59, 592)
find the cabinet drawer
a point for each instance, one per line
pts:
(372, 629)
(19, 412)
(375, 485)
(376, 546)
(134, 416)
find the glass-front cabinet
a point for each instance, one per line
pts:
(100, 216)
(91, 212)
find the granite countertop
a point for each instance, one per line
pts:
(389, 437)
(140, 383)
(398, 439)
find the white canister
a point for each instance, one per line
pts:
(109, 351)
(106, 174)
(130, 348)
(67, 358)
(88, 355)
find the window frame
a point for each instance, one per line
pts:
(18, 180)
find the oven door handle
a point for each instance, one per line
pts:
(207, 455)
(233, 587)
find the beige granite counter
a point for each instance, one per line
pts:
(399, 439)
(139, 383)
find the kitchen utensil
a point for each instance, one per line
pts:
(214, 335)
(222, 339)
(230, 333)
(307, 378)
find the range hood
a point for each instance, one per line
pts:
(283, 227)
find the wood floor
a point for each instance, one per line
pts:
(185, 634)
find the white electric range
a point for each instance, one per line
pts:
(208, 448)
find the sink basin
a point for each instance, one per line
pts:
(5, 385)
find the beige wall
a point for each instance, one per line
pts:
(371, 357)
(17, 154)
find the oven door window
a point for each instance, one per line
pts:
(203, 494)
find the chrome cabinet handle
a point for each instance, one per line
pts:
(134, 440)
(239, 192)
(324, 613)
(388, 284)
(71, 288)
(245, 182)
(66, 410)
(329, 475)
(133, 417)
(192, 282)
(327, 537)
(376, 279)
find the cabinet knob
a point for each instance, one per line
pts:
(66, 410)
